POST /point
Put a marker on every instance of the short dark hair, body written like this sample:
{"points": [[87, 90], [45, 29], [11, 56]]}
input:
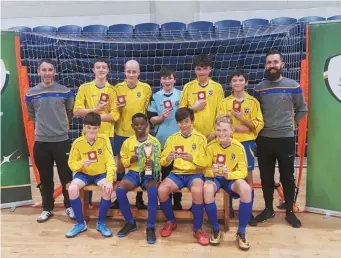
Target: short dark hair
{"points": [[167, 71], [92, 119], [101, 60], [183, 113], [139, 115], [46, 60], [274, 52], [202, 60], [239, 73]]}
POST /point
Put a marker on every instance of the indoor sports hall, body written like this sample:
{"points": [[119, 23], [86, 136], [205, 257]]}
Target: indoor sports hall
{"points": [[236, 35]]}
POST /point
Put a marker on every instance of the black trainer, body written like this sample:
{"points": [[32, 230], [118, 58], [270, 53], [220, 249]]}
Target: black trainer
{"points": [[115, 205], [293, 220], [177, 206], [265, 215], [140, 205], [232, 215], [151, 237], [128, 227], [252, 221]]}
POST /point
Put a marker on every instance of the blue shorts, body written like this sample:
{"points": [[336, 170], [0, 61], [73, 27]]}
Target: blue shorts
{"points": [[222, 182], [137, 179], [112, 144], [118, 142], [184, 180], [89, 180], [250, 149]]}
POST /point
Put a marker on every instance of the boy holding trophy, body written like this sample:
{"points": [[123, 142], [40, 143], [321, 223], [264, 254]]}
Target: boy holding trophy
{"points": [[227, 169], [140, 155]]}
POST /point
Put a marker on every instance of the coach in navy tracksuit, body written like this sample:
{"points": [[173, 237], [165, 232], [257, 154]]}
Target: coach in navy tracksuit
{"points": [[49, 106], [280, 98]]}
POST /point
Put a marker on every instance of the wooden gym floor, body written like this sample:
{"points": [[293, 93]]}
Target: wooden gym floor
{"points": [[22, 236]]}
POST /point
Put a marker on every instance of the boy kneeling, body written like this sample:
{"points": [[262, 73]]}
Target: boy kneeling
{"points": [[227, 169], [139, 175], [92, 158], [186, 150]]}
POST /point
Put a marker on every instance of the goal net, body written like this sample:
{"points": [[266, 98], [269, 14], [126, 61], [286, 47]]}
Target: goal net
{"points": [[230, 49]]}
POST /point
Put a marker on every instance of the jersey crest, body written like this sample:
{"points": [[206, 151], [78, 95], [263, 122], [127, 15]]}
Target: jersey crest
{"points": [[138, 94]]}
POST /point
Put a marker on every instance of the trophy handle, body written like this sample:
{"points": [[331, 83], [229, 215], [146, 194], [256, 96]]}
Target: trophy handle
{"points": [[139, 155], [156, 162]]}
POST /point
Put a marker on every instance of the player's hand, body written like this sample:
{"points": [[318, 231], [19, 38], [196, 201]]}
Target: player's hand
{"points": [[242, 129], [134, 159], [237, 115], [172, 156], [211, 137], [199, 105], [107, 187], [165, 113], [216, 170], [186, 156], [88, 162], [149, 163], [101, 106], [225, 171]]}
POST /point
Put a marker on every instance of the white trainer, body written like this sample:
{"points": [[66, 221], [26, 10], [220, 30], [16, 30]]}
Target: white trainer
{"points": [[69, 212], [44, 216]]}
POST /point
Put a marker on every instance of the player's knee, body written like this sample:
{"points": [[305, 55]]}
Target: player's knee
{"points": [[197, 193], [164, 191], [209, 190], [73, 191], [106, 196], [245, 192]]}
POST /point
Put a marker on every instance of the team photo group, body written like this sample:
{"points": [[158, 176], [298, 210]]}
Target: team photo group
{"points": [[193, 138]]}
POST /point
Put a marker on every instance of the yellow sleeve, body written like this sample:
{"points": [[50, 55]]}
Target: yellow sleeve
{"points": [[223, 109], [257, 117], [209, 157], [242, 169], [80, 99], [220, 93], [110, 161], [184, 98], [125, 154], [200, 158], [166, 151], [115, 114], [146, 104], [75, 161]]}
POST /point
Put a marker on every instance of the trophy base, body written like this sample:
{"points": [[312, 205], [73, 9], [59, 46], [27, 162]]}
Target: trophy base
{"points": [[148, 172]]}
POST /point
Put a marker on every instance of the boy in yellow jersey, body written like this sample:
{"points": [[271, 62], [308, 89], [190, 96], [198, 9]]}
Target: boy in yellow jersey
{"points": [[98, 96], [186, 149], [203, 96], [132, 97], [92, 159], [247, 121], [227, 169], [138, 175]]}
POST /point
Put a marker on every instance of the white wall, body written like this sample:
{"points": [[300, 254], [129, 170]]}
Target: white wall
{"points": [[58, 13]]}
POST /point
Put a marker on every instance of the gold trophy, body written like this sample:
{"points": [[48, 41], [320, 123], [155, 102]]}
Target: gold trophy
{"points": [[148, 150]]}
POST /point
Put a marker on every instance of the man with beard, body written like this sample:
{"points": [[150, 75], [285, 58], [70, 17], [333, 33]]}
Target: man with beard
{"points": [[49, 106], [280, 99]]}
